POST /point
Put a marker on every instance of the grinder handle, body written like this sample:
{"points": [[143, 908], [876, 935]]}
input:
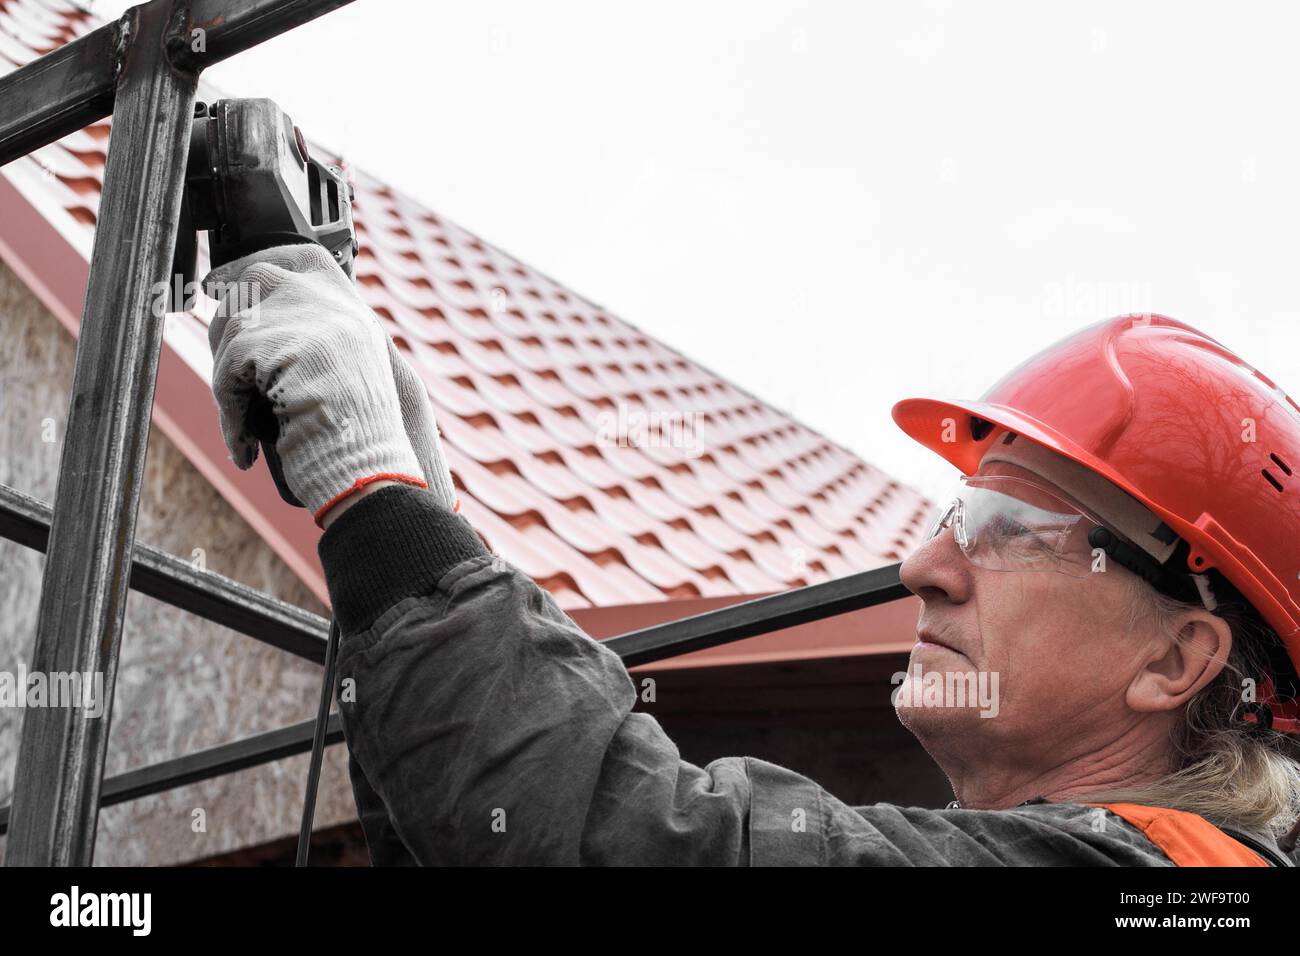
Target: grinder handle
{"points": [[261, 421]]}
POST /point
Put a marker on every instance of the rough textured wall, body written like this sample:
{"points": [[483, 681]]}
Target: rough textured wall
{"points": [[183, 683]]}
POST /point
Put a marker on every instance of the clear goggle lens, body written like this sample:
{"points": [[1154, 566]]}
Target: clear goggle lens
{"points": [[1014, 524]]}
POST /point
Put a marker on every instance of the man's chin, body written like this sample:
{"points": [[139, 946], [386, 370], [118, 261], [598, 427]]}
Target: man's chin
{"points": [[937, 694], [939, 725]]}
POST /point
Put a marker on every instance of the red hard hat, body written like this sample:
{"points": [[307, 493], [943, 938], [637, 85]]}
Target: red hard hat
{"points": [[1179, 422]]}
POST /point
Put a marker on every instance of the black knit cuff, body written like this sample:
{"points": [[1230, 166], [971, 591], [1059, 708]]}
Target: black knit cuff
{"points": [[393, 544]]}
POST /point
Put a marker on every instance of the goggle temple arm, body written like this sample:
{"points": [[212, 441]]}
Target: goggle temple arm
{"points": [[1162, 577]]}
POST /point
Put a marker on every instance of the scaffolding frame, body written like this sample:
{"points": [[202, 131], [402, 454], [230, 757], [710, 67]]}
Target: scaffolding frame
{"points": [[144, 71]]}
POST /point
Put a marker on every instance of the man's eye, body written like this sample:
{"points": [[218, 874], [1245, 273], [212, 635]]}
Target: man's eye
{"points": [[1005, 527]]}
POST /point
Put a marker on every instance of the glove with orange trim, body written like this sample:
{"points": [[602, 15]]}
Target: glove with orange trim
{"points": [[291, 329]]}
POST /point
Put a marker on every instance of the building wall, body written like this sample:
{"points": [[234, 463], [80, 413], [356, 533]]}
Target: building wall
{"points": [[830, 719], [870, 759], [183, 684]]}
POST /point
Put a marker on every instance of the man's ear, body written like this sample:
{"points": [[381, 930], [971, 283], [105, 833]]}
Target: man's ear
{"points": [[1178, 667]]}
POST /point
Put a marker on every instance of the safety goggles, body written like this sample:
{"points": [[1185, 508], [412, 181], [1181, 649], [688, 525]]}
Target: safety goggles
{"points": [[1005, 523]]}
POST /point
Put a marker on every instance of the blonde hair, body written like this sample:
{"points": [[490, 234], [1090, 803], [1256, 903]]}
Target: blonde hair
{"points": [[1228, 770]]}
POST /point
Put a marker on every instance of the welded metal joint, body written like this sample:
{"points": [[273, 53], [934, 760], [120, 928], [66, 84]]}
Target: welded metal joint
{"points": [[122, 40], [180, 38], [177, 39]]}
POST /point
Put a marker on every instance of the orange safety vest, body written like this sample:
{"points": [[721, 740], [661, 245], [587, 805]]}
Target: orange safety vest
{"points": [[1186, 838]]}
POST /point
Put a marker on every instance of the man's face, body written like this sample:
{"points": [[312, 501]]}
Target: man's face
{"points": [[1057, 649]]}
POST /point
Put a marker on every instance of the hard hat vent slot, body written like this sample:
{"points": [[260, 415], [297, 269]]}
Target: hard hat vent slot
{"points": [[1280, 463], [1271, 480]]}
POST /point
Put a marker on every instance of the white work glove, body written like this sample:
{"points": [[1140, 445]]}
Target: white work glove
{"points": [[291, 326]]}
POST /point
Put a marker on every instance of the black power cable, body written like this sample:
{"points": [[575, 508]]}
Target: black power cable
{"points": [[318, 745]]}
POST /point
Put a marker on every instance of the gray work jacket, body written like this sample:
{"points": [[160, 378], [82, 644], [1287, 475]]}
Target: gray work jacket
{"points": [[485, 727]]}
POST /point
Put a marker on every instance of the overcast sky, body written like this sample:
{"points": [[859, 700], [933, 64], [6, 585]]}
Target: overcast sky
{"points": [[837, 205]]}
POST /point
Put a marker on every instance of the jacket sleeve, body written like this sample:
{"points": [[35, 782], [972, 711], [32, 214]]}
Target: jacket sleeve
{"points": [[485, 727]]}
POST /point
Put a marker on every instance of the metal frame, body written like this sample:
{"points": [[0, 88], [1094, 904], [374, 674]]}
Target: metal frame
{"points": [[144, 70], [173, 581]]}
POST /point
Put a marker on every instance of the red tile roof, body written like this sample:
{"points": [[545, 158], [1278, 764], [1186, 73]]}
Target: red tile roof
{"points": [[530, 383]]}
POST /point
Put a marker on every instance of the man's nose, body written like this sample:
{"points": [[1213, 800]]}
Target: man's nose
{"points": [[938, 571]]}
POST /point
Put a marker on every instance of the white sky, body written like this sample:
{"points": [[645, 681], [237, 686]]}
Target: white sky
{"points": [[837, 205]]}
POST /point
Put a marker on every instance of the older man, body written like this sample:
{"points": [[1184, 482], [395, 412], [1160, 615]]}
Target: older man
{"points": [[1104, 558]]}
